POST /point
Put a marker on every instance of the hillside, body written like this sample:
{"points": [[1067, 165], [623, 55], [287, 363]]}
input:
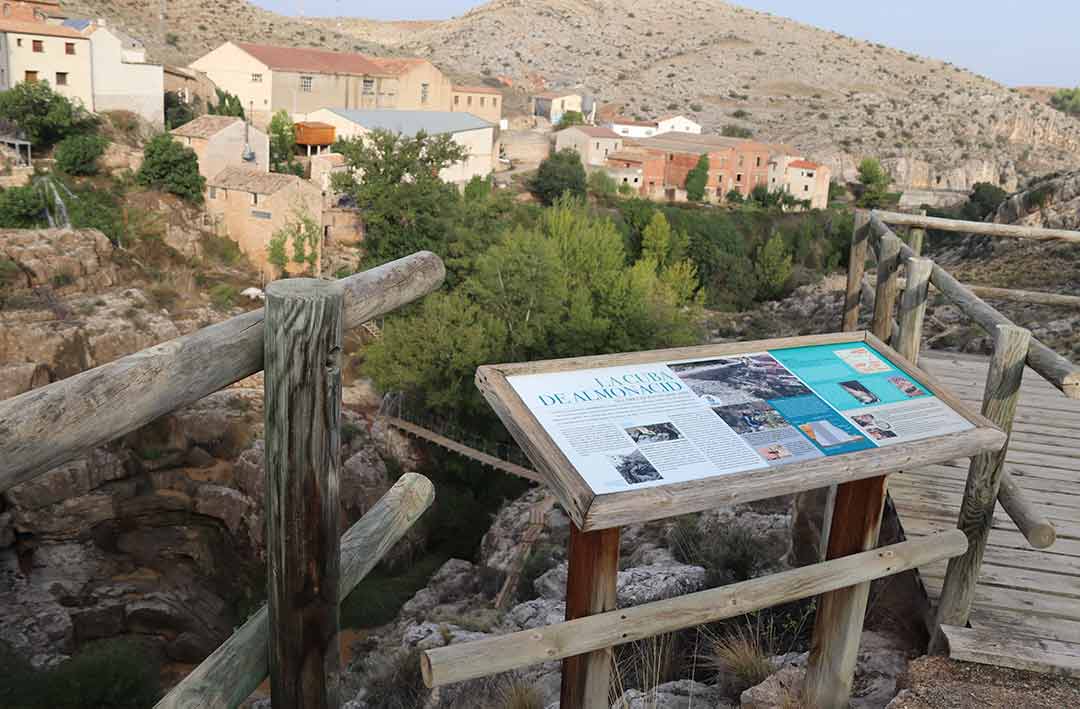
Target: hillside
{"points": [[935, 126]]}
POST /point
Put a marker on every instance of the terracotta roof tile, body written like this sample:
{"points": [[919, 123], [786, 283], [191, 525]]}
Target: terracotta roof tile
{"points": [[624, 121], [804, 164], [205, 126], [596, 132], [42, 28], [323, 61], [252, 180]]}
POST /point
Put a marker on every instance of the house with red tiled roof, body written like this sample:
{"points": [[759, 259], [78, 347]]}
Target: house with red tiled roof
{"points": [[268, 78], [481, 101], [593, 143], [33, 48], [805, 180]]}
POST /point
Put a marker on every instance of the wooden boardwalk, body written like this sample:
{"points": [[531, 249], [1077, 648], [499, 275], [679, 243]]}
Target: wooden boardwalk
{"points": [[1027, 602]]}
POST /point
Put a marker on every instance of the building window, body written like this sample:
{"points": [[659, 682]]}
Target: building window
{"points": [[305, 83], [69, 48], [258, 214], [254, 199], [482, 101], [468, 101], [810, 175], [457, 100], [31, 77], [39, 46], [18, 41], [7, 9], [740, 161], [738, 177], [369, 87], [424, 89], [213, 192], [256, 78], [61, 78], [806, 188], [759, 161], [494, 103]]}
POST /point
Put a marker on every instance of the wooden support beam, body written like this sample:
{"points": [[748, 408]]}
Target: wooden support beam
{"points": [[590, 589], [1025, 296], [489, 656], [888, 286], [303, 510], [233, 671], [916, 236], [984, 476], [983, 228], [856, 267], [834, 647], [913, 308], [1038, 530], [49, 426]]}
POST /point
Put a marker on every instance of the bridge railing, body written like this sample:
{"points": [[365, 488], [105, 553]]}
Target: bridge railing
{"points": [[297, 338], [988, 479]]}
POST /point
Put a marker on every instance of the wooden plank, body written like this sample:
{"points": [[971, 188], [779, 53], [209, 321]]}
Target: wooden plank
{"points": [[925, 506], [1024, 624], [888, 287], [303, 510], [1062, 555], [232, 672], [1014, 295], [1030, 602], [838, 627], [953, 475], [480, 658], [1045, 500], [590, 589], [51, 425], [1048, 656], [913, 308], [983, 228], [1012, 577], [856, 266]]}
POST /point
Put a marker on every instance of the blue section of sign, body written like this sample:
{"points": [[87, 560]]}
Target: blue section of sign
{"points": [[830, 432], [825, 369]]}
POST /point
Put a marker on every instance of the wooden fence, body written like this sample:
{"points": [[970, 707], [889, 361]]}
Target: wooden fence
{"points": [[298, 340], [988, 480]]}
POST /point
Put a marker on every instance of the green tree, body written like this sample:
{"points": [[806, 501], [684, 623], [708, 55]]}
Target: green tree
{"points": [[735, 131], [45, 116], [177, 111], [559, 174], [570, 118], [406, 206], [282, 135], [172, 167], [697, 178], [875, 184], [661, 243], [22, 208], [227, 105], [602, 184], [477, 189], [1067, 100], [734, 196], [78, 154], [984, 200], [773, 267]]}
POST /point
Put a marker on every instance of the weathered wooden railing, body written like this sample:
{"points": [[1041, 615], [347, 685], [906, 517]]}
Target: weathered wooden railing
{"points": [[988, 480], [299, 339]]}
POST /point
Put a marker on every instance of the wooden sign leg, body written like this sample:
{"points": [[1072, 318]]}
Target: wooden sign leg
{"points": [[590, 589], [855, 525]]}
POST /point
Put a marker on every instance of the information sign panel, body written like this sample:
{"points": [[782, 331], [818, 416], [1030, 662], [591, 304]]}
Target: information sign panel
{"points": [[700, 422]]}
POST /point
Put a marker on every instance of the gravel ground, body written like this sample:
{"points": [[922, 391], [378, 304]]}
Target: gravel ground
{"points": [[940, 683]]}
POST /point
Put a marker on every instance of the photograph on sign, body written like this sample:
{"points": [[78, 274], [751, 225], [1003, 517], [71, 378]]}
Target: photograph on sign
{"points": [[659, 423]]}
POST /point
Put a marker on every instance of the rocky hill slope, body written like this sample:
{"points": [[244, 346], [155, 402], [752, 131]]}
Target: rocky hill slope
{"points": [[934, 125]]}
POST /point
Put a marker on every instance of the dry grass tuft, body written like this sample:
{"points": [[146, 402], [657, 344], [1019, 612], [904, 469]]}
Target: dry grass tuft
{"points": [[515, 694], [743, 652]]}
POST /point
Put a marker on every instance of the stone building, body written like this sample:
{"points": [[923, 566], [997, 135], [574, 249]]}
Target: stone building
{"points": [[553, 104], [223, 141], [593, 143], [804, 180], [481, 101], [34, 50], [268, 79], [734, 164]]}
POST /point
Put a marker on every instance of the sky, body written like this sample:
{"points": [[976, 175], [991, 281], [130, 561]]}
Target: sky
{"points": [[1012, 41]]}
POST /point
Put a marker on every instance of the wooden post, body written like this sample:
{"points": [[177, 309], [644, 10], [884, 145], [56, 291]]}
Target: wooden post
{"points": [[590, 589], [913, 308], [838, 627], [916, 236], [856, 265], [303, 418], [984, 477], [888, 277]]}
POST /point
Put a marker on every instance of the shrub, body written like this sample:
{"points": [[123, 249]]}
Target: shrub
{"points": [[601, 183], [740, 114], [570, 118], [559, 174], [875, 183], [395, 681], [697, 178], [46, 116], [170, 166], [227, 105], [625, 189], [1067, 100], [78, 154], [696, 107], [223, 296], [733, 131], [773, 267], [22, 208]]}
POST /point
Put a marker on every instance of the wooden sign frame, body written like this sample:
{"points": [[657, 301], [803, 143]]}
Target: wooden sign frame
{"points": [[592, 512]]}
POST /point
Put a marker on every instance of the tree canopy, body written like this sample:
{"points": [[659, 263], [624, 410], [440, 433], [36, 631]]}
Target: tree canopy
{"points": [[697, 178], [172, 167], [394, 180], [227, 105], [559, 174], [1067, 100], [282, 135], [570, 118], [875, 183], [45, 116]]}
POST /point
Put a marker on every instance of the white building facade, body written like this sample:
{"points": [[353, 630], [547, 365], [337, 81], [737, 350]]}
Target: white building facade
{"points": [[123, 80]]}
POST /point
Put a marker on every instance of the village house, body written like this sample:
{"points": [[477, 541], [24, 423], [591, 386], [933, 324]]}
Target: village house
{"points": [[553, 104], [224, 141], [476, 136], [802, 179], [528, 147], [481, 101], [191, 87], [641, 170], [123, 80], [593, 143], [631, 128], [250, 206], [268, 79], [36, 50]]}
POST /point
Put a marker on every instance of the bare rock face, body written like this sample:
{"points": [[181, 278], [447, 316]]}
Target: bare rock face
{"points": [[1052, 203], [79, 258], [673, 695]]}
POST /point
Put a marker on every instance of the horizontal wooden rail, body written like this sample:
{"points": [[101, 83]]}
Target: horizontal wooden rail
{"points": [[982, 228], [480, 658], [1051, 366], [1035, 527], [51, 425], [233, 671], [1012, 295]]}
